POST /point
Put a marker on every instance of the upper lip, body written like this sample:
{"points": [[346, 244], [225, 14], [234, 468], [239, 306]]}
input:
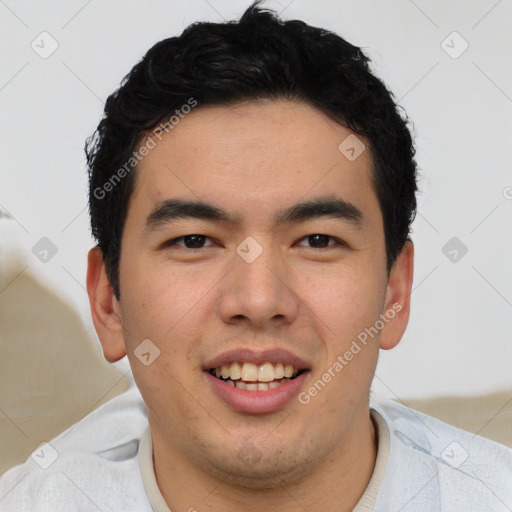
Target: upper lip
{"points": [[245, 355]]}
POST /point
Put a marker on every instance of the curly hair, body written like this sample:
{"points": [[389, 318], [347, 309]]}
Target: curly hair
{"points": [[259, 56]]}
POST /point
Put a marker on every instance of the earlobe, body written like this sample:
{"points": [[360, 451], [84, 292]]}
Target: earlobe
{"points": [[105, 309], [398, 297]]}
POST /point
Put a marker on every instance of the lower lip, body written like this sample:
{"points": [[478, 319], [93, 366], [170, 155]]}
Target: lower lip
{"points": [[256, 402]]}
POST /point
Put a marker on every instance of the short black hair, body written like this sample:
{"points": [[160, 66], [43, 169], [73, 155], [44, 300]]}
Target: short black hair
{"points": [[259, 56]]}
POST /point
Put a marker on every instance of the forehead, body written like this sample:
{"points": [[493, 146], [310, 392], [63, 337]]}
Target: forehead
{"points": [[254, 158]]}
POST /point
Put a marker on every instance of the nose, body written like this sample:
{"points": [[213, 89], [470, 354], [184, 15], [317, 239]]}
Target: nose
{"points": [[259, 293]]}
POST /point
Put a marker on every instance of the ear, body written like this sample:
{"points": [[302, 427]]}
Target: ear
{"points": [[398, 297], [105, 309]]}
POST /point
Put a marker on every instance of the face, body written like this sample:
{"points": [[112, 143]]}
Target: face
{"points": [[251, 285]]}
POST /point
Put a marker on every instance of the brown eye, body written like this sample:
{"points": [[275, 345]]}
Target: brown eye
{"points": [[194, 241], [320, 241]]}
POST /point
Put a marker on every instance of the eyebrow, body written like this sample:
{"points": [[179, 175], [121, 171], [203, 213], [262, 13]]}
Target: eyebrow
{"points": [[328, 206]]}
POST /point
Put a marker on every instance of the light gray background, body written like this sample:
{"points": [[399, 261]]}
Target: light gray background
{"points": [[459, 335]]}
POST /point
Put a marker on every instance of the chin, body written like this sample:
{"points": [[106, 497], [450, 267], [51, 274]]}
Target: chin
{"points": [[252, 469], [266, 478]]}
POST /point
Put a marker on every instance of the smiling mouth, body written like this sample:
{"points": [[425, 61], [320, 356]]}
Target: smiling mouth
{"points": [[252, 377]]}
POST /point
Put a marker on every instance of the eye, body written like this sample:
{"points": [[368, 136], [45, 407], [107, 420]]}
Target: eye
{"points": [[197, 241], [194, 241], [320, 241]]}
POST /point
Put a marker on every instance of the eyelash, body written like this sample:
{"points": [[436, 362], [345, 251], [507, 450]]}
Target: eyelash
{"points": [[337, 241]]}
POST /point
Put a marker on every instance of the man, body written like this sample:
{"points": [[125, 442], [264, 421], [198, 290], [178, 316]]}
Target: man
{"points": [[252, 187]]}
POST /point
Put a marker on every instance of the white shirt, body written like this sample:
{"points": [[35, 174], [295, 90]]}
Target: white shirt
{"points": [[104, 463]]}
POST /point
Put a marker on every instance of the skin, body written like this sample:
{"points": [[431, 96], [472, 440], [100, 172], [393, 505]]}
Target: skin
{"points": [[252, 159]]}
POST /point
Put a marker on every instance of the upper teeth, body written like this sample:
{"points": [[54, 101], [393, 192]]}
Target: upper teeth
{"points": [[250, 372]]}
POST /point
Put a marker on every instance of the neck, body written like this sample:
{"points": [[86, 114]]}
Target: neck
{"points": [[334, 485]]}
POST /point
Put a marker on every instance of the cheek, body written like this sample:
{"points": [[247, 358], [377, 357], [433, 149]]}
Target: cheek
{"points": [[166, 308], [343, 302], [159, 301], [171, 309]]}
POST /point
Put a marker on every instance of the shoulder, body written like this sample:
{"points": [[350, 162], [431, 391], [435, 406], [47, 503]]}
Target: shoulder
{"points": [[439, 465], [93, 463]]}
